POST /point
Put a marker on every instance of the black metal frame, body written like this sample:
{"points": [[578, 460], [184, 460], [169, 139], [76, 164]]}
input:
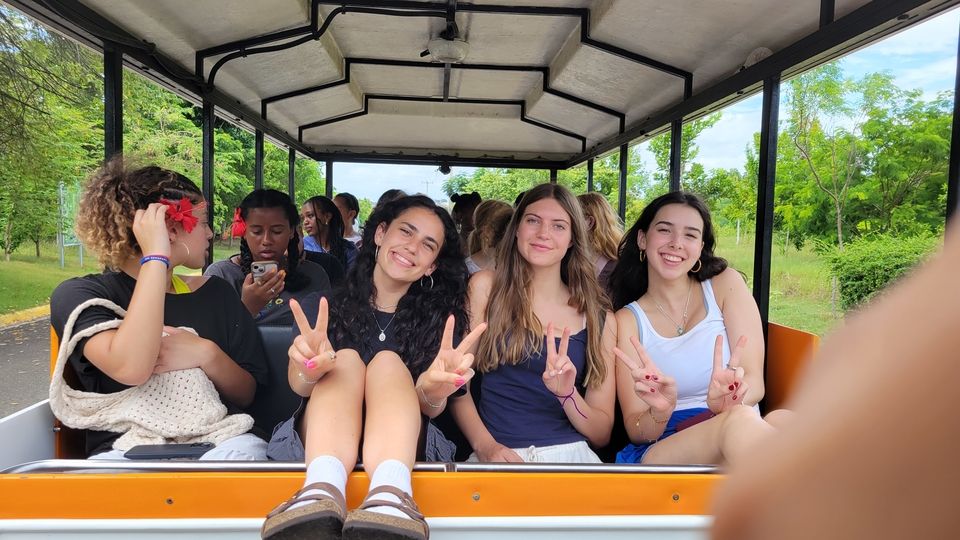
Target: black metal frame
{"points": [[766, 176], [258, 159], [292, 174], [328, 179], [953, 172], [208, 121], [590, 175], [112, 100]]}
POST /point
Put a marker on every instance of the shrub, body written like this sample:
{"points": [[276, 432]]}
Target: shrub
{"points": [[867, 265]]}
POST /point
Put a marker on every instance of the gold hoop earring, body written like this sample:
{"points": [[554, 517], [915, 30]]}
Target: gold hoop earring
{"points": [[699, 267], [643, 255]]}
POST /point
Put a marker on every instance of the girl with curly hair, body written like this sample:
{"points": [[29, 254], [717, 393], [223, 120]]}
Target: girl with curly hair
{"points": [[542, 397], [682, 390], [144, 222], [379, 365], [267, 221]]}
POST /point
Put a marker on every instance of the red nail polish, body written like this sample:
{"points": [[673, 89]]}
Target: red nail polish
{"points": [[734, 398], [656, 378], [647, 377], [736, 384], [652, 390]]}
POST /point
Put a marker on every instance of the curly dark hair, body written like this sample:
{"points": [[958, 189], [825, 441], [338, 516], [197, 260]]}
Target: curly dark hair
{"points": [[629, 279], [112, 195], [422, 312], [271, 198], [338, 244]]}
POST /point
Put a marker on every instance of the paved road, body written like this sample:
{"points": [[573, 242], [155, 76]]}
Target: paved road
{"points": [[24, 364]]}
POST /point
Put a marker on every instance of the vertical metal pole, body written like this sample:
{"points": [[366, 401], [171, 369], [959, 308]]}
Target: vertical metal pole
{"points": [[112, 100], [676, 140], [622, 197], [827, 12], [60, 239], [765, 188], [328, 177], [258, 160], [553, 176], [953, 173], [207, 120], [589, 175], [292, 175]]}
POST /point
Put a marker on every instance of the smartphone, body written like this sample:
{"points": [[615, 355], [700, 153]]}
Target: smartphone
{"points": [[260, 269], [169, 451]]}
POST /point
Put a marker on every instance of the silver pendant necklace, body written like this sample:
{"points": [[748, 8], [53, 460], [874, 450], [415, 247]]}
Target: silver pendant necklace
{"points": [[682, 327], [383, 329]]}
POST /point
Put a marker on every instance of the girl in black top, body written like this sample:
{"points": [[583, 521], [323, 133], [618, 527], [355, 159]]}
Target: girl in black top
{"points": [[143, 223], [392, 323]]}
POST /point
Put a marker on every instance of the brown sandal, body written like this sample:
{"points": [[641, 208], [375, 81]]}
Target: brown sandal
{"points": [[321, 519], [362, 524]]}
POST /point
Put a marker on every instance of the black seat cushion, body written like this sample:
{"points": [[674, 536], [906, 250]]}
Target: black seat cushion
{"points": [[275, 402]]}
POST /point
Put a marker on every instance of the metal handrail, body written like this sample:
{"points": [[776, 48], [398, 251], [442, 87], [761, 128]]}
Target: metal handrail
{"points": [[108, 466]]}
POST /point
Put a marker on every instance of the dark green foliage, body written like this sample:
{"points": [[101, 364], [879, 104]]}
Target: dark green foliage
{"points": [[869, 264]]}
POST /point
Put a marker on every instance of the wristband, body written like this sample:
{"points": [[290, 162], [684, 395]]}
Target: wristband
{"points": [[570, 397], [162, 258]]}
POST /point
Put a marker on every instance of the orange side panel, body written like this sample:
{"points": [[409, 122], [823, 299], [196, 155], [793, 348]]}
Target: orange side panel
{"points": [[439, 494], [54, 348], [788, 352]]}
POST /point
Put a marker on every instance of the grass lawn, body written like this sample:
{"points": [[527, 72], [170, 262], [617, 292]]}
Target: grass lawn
{"points": [[799, 282], [799, 295]]}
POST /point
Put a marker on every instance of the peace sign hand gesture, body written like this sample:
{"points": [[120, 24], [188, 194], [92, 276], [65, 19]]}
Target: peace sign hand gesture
{"points": [[311, 353], [560, 373], [451, 369], [727, 387], [657, 390]]}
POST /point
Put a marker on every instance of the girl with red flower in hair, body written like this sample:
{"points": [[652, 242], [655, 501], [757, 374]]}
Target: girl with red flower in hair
{"points": [[138, 325]]}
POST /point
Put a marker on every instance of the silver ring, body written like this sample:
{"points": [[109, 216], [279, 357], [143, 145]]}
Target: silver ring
{"points": [[333, 354], [272, 291]]}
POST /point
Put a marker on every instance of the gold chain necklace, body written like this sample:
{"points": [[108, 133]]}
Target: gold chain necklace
{"points": [[682, 327]]}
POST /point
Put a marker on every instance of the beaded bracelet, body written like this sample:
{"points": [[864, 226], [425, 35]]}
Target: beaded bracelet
{"points": [[162, 258], [570, 396]]}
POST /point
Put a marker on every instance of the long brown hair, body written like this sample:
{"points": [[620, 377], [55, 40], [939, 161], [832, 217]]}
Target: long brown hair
{"points": [[513, 330], [607, 230]]}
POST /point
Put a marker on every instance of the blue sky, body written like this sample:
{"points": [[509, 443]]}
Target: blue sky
{"points": [[923, 57]]}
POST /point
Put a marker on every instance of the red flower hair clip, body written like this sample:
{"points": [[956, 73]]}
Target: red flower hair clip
{"points": [[182, 211], [239, 226]]}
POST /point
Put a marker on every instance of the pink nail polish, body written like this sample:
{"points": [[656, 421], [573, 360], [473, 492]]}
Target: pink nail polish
{"points": [[459, 381], [310, 364]]}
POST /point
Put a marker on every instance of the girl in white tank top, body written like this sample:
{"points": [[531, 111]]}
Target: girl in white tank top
{"points": [[688, 361]]}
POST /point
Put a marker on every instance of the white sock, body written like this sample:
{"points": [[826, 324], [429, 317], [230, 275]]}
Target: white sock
{"points": [[390, 473], [324, 469]]}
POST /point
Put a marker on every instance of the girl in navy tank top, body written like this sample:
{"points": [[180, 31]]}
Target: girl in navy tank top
{"points": [[547, 389], [680, 308]]}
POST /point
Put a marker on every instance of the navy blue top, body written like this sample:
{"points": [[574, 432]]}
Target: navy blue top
{"points": [[519, 410]]}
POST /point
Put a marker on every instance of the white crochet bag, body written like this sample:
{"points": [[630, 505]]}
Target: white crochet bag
{"points": [[174, 407]]}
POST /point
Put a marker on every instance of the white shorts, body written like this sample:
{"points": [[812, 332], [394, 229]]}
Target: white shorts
{"points": [[575, 452]]}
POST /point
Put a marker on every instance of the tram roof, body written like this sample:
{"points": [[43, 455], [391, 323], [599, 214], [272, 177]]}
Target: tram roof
{"points": [[542, 84]]}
